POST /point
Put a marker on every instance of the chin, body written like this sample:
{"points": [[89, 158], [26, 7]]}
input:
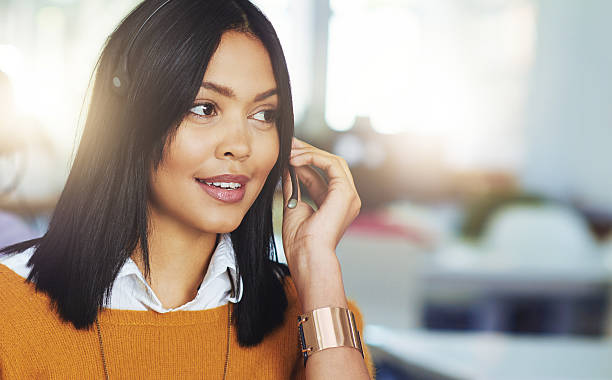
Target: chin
{"points": [[221, 226]]}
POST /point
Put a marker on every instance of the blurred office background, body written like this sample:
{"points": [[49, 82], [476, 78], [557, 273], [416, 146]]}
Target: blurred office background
{"points": [[478, 133]]}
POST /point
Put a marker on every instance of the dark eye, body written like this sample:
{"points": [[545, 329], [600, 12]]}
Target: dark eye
{"points": [[206, 109], [267, 116]]}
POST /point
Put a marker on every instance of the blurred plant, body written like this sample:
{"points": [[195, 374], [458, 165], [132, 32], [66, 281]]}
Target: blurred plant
{"points": [[480, 211]]}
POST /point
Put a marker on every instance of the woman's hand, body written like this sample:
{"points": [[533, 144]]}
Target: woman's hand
{"points": [[310, 237]]}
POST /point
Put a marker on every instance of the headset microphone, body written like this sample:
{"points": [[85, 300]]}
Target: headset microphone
{"points": [[293, 200]]}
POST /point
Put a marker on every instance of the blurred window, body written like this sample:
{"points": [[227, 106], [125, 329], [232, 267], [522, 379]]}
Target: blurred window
{"points": [[452, 70], [292, 20]]}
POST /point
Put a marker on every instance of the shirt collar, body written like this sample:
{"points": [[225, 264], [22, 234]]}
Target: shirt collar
{"points": [[223, 258]]}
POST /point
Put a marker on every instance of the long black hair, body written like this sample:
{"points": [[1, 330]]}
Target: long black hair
{"points": [[101, 216]]}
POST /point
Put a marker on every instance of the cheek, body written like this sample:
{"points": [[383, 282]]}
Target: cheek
{"points": [[271, 150], [180, 156], [267, 155], [185, 152], [183, 159]]}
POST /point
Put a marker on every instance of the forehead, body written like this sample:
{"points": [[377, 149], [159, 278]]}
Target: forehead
{"points": [[241, 62]]}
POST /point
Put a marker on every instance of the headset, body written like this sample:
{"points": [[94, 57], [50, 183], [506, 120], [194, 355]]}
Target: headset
{"points": [[121, 81], [121, 76]]}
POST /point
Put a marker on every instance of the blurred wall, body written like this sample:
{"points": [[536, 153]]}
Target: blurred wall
{"points": [[568, 131]]}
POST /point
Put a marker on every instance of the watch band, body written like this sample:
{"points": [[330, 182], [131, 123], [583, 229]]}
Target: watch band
{"points": [[328, 327]]}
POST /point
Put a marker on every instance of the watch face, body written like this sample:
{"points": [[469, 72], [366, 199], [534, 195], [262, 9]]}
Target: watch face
{"points": [[302, 340], [359, 343]]}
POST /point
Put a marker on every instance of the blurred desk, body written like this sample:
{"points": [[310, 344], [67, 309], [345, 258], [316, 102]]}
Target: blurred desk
{"points": [[491, 356], [468, 289], [484, 278]]}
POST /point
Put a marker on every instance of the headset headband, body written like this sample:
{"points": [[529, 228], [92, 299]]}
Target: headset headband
{"points": [[121, 76]]}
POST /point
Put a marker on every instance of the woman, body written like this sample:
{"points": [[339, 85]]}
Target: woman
{"points": [[159, 259]]}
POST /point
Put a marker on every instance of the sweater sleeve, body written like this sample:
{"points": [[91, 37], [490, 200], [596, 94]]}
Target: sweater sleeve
{"points": [[299, 372]]}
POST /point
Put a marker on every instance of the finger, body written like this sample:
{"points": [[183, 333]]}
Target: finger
{"points": [[297, 143], [314, 183], [348, 194], [298, 146], [337, 203], [347, 170], [330, 164]]}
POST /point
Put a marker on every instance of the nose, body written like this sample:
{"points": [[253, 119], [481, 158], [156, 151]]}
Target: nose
{"points": [[235, 142]]}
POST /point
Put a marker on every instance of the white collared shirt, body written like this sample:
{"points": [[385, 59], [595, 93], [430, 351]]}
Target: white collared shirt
{"points": [[130, 291]]}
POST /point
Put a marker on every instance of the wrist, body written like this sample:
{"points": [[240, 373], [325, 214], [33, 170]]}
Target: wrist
{"points": [[313, 261], [318, 282]]}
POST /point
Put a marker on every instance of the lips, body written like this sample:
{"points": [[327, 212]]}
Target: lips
{"points": [[228, 188]]}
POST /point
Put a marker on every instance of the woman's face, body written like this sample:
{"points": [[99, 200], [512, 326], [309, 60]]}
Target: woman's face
{"points": [[218, 161]]}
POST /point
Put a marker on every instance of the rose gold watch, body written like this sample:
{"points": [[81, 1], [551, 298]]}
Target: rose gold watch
{"points": [[328, 327]]}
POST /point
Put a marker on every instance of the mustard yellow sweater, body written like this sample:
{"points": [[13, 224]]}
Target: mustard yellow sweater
{"points": [[36, 344]]}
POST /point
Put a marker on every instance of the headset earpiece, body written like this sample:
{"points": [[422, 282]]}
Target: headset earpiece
{"points": [[121, 77]]}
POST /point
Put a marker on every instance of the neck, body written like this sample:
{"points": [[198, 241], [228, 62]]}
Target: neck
{"points": [[178, 259]]}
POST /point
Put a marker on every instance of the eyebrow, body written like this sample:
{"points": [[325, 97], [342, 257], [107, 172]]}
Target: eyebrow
{"points": [[229, 93]]}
